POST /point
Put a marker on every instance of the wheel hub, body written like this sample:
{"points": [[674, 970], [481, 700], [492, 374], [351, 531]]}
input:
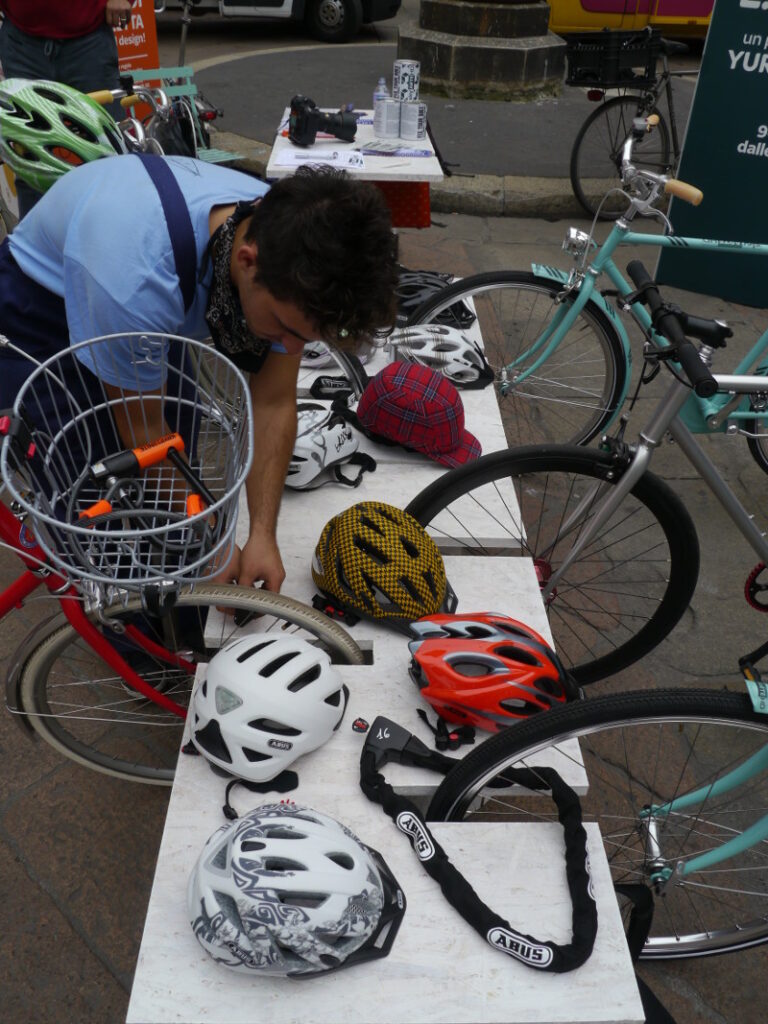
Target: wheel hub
{"points": [[331, 13]]}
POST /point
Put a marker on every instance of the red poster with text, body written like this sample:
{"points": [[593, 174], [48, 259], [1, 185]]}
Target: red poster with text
{"points": [[137, 42]]}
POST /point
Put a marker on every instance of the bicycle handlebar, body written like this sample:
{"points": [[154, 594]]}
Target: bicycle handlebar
{"points": [[667, 323], [681, 189], [155, 98], [672, 186]]}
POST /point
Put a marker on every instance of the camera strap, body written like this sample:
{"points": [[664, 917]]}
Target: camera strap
{"points": [[386, 741]]}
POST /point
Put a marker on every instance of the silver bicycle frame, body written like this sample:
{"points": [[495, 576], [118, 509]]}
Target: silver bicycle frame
{"points": [[665, 420]]}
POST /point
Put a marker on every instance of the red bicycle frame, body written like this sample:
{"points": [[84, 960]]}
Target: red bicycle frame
{"points": [[38, 572]]}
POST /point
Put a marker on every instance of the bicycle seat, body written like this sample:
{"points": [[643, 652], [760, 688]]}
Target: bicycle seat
{"points": [[673, 48]]}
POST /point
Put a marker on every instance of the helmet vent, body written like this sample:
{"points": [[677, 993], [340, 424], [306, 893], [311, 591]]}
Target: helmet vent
{"points": [[274, 666], [254, 755], [252, 846], [229, 908], [515, 654], [371, 550], [305, 679], [281, 832], [342, 859], [410, 547], [211, 740], [470, 668], [333, 699], [342, 579], [268, 725], [283, 864], [479, 631], [371, 525], [302, 899], [36, 120], [429, 579], [410, 589], [78, 129], [48, 94], [386, 514], [253, 650], [382, 600], [514, 704], [220, 860]]}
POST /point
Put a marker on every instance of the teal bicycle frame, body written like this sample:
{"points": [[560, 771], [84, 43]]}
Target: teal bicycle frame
{"points": [[757, 833], [701, 416]]}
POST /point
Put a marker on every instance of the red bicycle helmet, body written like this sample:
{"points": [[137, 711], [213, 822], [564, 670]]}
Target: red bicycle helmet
{"points": [[486, 670]]}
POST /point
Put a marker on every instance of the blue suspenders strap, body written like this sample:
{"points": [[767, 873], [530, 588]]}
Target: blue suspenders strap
{"points": [[179, 224]]}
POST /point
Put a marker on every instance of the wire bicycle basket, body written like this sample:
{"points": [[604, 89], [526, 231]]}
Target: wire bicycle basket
{"points": [[128, 453]]}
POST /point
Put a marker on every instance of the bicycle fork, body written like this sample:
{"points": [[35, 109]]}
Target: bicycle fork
{"points": [[660, 870]]}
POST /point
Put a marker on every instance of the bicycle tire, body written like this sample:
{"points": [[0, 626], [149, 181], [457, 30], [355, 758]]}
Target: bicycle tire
{"points": [[631, 583], [113, 729], [347, 364], [577, 392], [697, 735], [596, 153]]}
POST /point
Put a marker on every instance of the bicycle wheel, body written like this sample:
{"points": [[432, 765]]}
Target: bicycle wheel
{"points": [[79, 706], [596, 153], [642, 750], [575, 394], [629, 585]]}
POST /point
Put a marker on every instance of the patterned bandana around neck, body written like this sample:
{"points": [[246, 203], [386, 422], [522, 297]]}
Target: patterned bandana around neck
{"points": [[224, 314]]}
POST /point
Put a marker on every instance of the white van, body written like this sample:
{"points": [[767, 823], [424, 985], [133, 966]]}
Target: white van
{"points": [[331, 21]]}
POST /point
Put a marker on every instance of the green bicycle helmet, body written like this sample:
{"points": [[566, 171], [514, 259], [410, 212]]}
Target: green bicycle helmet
{"points": [[378, 562], [47, 128]]}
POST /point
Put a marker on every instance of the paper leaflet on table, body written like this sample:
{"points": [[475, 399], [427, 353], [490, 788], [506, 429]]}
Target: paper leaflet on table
{"points": [[338, 157]]}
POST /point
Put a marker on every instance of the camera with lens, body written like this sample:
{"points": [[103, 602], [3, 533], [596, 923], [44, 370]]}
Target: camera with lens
{"points": [[305, 121]]}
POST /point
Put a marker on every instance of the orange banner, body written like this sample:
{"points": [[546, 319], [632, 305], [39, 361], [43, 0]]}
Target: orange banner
{"points": [[137, 42]]}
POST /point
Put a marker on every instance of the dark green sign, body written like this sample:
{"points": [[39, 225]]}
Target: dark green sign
{"points": [[726, 155]]}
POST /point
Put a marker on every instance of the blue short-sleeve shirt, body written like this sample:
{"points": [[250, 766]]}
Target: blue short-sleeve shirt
{"points": [[99, 239]]}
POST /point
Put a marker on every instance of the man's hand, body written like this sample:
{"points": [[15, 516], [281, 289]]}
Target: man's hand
{"points": [[117, 13], [258, 561]]}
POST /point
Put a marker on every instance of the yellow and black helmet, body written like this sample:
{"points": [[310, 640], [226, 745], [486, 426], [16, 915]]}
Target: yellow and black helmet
{"points": [[377, 561]]}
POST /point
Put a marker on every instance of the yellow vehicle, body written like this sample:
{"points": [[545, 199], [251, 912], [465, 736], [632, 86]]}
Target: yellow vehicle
{"points": [[675, 18]]}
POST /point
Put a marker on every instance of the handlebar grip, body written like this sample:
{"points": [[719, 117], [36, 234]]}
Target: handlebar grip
{"points": [[129, 101], [103, 96], [668, 324], [681, 189], [652, 121]]}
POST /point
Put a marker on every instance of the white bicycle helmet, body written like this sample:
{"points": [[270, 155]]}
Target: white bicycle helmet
{"points": [[264, 702], [446, 350], [288, 891], [324, 443]]}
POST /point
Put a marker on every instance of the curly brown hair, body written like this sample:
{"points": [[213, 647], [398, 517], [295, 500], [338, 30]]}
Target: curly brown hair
{"points": [[326, 244]]}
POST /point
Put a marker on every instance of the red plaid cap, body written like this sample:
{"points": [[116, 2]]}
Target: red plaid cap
{"points": [[420, 409]]}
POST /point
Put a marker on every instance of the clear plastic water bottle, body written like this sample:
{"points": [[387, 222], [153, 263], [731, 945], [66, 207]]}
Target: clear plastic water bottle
{"points": [[381, 92]]}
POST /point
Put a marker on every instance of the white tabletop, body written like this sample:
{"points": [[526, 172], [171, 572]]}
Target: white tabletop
{"points": [[393, 167], [439, 970]]}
